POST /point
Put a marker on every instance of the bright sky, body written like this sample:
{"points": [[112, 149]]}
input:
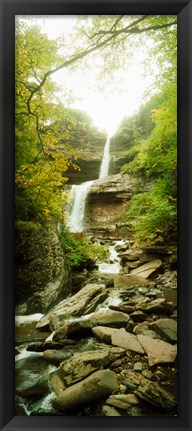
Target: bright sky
{"points": [[106, 108]]}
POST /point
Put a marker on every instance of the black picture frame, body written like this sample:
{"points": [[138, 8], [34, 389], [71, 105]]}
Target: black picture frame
{"points": [[183, 10]]}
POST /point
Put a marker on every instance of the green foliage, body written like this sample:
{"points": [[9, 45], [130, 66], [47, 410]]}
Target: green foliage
{"points": [[154, 216], [79, 249], [154, 212]]}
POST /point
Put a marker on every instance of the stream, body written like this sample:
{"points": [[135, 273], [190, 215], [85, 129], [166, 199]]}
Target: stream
{"points": [[118, 302]]}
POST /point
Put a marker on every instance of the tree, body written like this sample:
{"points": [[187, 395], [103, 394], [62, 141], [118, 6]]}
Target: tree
{"points": [[154, 212]]}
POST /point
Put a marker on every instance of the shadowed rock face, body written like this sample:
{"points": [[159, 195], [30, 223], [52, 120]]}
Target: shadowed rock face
{"points": [[106, 200]]}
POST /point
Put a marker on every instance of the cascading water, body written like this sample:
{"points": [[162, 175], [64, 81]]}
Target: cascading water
{"points": [[104, 170], [78, 199], [80, 192], [114, 266]]}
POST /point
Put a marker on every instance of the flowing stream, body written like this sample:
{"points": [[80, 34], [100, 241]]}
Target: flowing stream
{"points": [[79, 193]]}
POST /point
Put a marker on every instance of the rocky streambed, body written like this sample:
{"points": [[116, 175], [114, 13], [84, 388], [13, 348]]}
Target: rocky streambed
{"points": [[110, 349]]}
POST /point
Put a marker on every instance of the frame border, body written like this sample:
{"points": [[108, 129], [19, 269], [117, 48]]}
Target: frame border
{"points": [[183, 10]]}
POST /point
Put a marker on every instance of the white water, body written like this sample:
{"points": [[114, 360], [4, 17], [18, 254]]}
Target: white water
{"points": [[114, 266], [79, 194], [104, 170], [78, 199]]}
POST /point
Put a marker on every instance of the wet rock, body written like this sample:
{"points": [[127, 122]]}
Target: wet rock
{"points": [[55, 357], [110, 318], [83, 302], [138, 366], [148, 375], [109, 411], [151, 334], [131, 379], [123, 307], [32, 374], [155, 395], [109, 282], [99, 384], [160, 375], [131, 256], [103, 333], [147, 269], [159, 305], [57, 382], [122, 401], [85, 363], [139, 316], [127, 340], [40, 347], [141, 328], [167, 328], [158, 351], [75, 329]]}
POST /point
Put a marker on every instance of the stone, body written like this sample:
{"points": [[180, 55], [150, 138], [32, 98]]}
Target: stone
{"points": [[103, 333], [148, 375], [147, 269], [74, 329], [38, 346], [151, 334], [167, 328], [138, 366], [109, 411], [42, 259], [158, 351], [141, 328], [94, 387], [154, 394], [83, 364], [131, 379], [83, 302], [139, 316], [159, 305], [131, 256], [110, 318], [55, 357], [57, 382], [122, 401], [127, 340]]}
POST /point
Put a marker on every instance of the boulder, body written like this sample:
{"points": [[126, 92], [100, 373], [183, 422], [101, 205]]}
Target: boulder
{"points": [[85, 363], [83, 302], [127, 340], [55, 357], [56, 381], [141, 328], [167, 328], [159, 305], [38, 346], [147, 269], [122, 401], [131, 379], [158, 351], [110, 318], [109, 411], [139, 316], [75, 329], [94, 387], [154, 394], [104, 333]]}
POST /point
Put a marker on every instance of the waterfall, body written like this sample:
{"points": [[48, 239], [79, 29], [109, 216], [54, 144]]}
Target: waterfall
{"points": [[78, 199], [80, 192], [104, 170]]}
